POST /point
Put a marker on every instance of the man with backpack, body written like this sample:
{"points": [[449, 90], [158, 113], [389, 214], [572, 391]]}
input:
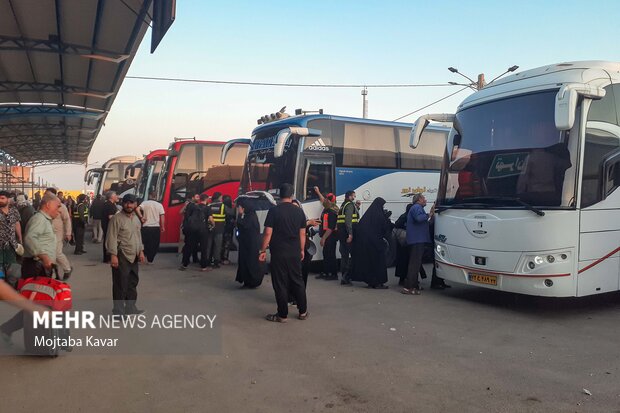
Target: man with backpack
{"points": [[194, 228]]}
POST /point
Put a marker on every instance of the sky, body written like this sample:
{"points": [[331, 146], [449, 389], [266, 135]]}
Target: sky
{"points": [[320, 41]]}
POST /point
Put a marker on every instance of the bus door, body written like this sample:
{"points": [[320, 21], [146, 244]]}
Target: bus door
{"points": [[317, 170]]}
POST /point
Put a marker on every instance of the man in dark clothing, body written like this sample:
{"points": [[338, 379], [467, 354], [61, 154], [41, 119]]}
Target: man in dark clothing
{"points": [[329, 235], [219, 211], [348, 217], [285, 235], [26, 211], [36, 202], [96, 213], [109, 210], [205, 234], [194, 227], [229, 228], [80, 218]]}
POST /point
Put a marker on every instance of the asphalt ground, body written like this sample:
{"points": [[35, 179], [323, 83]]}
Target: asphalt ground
{"points": [[459, 350]]}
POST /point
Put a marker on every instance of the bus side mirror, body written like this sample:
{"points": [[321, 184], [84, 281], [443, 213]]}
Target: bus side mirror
{"points": [[416, 132], [565, 107], [284, 135], [281, 139], [566, 102], [422, 123]]}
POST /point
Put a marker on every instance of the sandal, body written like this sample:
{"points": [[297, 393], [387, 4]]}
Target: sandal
{"points": [[303, 316], [414, 291], [275, 318]]}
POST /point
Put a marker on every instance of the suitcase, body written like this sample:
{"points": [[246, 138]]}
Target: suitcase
{"points": [[55, 295], [43, 341]]}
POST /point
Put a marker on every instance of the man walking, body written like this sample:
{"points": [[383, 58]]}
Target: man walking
{"points": [[124, 244], [96, 214], [63, 231], [348, 217], [108, 211], [285, 235], [80, 218], [194, 228], [154, 224], [10, 235], [418, 235], [39, 252]]}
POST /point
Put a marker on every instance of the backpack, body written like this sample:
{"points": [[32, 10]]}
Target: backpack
{"points": [[196, 222]]}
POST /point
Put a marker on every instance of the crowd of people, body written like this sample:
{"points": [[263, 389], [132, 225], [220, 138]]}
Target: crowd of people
{"points": [[34, 235], [130, 235]]}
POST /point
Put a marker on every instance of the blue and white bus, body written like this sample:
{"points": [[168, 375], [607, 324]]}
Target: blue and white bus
{"points": [[337, 154]]}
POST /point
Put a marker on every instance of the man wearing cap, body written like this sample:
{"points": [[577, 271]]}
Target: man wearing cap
{"points": [[123, 242], [80, 219], [329, 235]]}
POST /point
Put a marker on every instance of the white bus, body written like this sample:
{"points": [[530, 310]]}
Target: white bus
{"points": [[338, 154], [111, 175], [528, 199]]}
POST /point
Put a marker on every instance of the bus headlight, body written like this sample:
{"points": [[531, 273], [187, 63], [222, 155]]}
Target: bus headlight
{"points": [[542, 259], [440, 250]]}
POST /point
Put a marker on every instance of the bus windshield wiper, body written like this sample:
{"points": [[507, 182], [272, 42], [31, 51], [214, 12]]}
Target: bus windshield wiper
{"points": [[463, 205], [526, 205], [497, 199]]}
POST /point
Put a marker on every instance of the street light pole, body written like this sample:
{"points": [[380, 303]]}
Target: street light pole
{"points": [[365, 102], [481, 83]]}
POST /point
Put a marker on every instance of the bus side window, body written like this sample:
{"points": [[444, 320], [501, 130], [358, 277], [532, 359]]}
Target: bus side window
{"points": [[599, 146], [429, 153], [369, 146], [317, 173], [611, 171]]}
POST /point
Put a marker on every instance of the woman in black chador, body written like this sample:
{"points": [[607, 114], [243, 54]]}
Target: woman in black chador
{"points": [[369, 248], [249, 271]]}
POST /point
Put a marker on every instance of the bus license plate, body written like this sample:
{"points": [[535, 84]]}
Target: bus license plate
{"points": [[483, 279]]}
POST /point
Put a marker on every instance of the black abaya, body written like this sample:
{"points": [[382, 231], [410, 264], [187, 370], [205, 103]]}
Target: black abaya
{"points": [[369, 263], [249, 271]]}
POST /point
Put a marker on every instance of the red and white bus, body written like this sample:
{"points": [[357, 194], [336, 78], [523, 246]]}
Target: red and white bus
{"points": [[193, 167]]}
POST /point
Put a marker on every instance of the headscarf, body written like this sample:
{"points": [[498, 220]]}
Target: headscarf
{"points": [[374, 221], [21, 201]]}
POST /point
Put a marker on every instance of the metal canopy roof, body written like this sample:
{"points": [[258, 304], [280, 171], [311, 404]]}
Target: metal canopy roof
{"points": [[61, 64]]}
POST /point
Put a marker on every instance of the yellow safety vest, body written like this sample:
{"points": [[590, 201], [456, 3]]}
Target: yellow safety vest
{"points": [[342, 216], [76, 212], [221, 217]]}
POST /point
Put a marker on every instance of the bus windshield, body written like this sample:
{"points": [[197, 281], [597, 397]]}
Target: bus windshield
{"points": [[198, 169], [148, 178], [509, 150], [263, 172]]}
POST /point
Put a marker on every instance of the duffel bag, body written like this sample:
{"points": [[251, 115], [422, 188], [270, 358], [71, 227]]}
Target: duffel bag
{"points": [[48, 292]]}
